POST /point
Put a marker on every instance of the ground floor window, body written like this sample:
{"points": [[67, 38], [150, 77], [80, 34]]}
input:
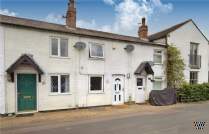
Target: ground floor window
{"points": [[193, 77], [59, 83], [158, 84], [96, 83]]}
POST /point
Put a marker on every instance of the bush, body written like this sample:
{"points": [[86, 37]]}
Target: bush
{"points": [[193, 93]]}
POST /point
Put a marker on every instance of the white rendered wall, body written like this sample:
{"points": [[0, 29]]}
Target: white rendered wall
{"points": [[2, 74], [181, 38], [77, 65]]}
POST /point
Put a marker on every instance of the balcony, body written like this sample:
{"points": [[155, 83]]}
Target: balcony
{"points": [[195, 61]]}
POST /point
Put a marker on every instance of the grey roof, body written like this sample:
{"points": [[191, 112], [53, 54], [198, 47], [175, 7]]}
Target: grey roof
{"points": [[25, 59], [165, 32], [8, 20]]}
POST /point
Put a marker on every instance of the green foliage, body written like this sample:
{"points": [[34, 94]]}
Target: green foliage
{"points": [[194, 93], [175, 67]]}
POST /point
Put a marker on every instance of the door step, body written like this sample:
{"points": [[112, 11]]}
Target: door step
{"points": [[24, 115]]}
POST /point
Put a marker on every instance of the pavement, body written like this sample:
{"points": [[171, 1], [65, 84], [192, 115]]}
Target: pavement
{"points": [[177, 119]]}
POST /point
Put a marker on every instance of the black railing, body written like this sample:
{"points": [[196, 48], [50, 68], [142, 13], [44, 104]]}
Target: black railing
{"points": [[195, 61]]}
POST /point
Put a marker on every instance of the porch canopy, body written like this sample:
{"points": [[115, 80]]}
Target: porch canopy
{"points": [[144, 66], [25, 59]]}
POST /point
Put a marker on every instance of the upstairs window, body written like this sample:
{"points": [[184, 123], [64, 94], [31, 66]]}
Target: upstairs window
{"points": [[60, 84], [158, 56], [96, 50], [59, 47], [193, 49]]}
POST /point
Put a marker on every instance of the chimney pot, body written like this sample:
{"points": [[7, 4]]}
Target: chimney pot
{"points": [[143, 21]]}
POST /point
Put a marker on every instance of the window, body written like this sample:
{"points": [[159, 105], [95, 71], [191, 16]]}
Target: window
{"points": [[96, 51], [157, 85], [139, 81], [54, 46], [59, 47], [96, 83], [60, 84], [193, 77], [193, 49], [64, 47], [158, 57]]}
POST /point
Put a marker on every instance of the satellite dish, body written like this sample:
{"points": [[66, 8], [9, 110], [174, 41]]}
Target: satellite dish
{"points": [[129, 48], [80, 45]]}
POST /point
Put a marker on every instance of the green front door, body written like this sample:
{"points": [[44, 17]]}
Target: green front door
{"points": [[26, 92]]}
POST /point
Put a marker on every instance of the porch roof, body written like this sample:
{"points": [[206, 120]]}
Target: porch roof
{"points": [[25, 59], [144, 66]]}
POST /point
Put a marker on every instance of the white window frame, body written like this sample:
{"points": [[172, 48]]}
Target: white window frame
{"points": [[59, 47], [59, 85], [158, 79], [157, 55], [90, 48], [100, 91]]}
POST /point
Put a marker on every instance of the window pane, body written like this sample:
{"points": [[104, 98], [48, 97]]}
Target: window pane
{"points": [[54, 46], [64, 83], [157, 58], [95, 83], [193, 77], [54, 83], [193, 49], [64, 47], [157, 85], [97, 50], [139, 82]]}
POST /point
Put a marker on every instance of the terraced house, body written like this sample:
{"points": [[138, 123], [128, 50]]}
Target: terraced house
{"points": [[45, 66]]}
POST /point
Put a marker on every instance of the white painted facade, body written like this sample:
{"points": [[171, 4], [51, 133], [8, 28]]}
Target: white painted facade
{"points": [[182, 37], [116, 62], [2, 74]]}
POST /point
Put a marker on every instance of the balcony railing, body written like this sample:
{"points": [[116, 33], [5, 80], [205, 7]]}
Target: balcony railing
{"points": [[195, 61]]}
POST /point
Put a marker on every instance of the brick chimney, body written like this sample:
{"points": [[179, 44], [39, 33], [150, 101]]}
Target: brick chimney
{"points": [[71, 14], [143, 30]]}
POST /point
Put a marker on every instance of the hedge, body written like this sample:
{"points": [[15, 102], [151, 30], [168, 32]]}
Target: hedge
{"points": [[193, 93]]}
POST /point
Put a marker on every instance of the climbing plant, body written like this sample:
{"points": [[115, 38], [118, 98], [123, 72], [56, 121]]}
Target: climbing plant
{"points": [[175, 67]]}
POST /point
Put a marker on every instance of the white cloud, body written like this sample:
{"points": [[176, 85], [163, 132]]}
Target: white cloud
{"points": [[128, 14], [162, 7], [110, 2], [55, 18], [86, 24], [7, 12]]}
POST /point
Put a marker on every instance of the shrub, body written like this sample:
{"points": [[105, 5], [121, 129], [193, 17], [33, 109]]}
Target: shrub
{"points": [[193, 93], [175, 67]]}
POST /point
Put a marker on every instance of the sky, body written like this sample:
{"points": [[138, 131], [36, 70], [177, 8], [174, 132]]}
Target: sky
{"points": [[116, 16]]}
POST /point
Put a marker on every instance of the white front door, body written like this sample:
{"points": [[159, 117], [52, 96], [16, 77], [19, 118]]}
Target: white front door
{"points": [[140, 89], [118, 90]]}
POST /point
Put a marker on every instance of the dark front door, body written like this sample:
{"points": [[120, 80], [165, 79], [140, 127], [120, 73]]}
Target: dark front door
{"points": [[26, 92]]}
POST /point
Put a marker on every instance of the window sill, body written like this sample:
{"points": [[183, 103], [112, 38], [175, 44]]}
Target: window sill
{"points": [[158, 63], [59, 57], [96, 58], [59, 94], [90, 92]]}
